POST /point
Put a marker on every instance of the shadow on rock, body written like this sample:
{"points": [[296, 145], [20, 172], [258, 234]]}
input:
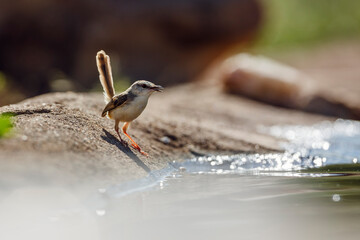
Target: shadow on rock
{"points": [[114, 141]]}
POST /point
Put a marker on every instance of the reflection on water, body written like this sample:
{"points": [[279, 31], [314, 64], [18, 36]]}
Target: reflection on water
{"points": [[312, 191], [209, 206]]}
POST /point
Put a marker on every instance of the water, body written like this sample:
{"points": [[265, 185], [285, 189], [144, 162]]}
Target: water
{"points": [[239, 207], [312, 191]]}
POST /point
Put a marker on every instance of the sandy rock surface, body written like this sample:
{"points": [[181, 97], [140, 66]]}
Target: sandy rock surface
{"points": [[62, 137]]}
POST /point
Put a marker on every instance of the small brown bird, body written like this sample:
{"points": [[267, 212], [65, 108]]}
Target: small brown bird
{"points": [[126, 106]]}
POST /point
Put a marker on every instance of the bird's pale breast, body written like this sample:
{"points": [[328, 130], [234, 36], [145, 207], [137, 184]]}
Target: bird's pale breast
{"points": [[130, 110]]}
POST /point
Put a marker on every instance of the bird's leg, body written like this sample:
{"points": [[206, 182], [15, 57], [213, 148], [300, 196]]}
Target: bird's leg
{"points": [[117, 131], [134, 144]]}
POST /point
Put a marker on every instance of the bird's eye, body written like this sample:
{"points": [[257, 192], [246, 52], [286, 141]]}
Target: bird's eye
{"points": [[143, 85], [116, 101]]}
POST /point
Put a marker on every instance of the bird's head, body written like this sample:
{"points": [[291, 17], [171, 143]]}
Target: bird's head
{"points": [[144, 88]]}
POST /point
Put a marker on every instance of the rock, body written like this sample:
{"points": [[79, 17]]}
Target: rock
{"points": [[165, 140], [62, 136]]}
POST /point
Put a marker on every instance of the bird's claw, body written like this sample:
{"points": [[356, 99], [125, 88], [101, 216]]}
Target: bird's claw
{"points": [[123, 142], [144, 153], [139, 149]]}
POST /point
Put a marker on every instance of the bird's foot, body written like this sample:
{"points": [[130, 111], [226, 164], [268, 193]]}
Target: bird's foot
{"points": [[123, 142], [140, 151]]}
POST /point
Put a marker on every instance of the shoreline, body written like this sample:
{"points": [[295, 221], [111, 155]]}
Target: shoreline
{"points": [[62, 136]]}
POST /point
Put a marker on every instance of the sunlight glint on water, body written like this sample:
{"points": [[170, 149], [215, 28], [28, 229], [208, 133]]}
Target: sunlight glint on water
{"points": [[305, 147]]}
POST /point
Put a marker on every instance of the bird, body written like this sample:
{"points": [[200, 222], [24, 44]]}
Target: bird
{"points": [[126, 106]]}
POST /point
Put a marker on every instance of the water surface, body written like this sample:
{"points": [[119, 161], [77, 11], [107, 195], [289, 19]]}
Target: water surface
{"points": [[311, 191]]}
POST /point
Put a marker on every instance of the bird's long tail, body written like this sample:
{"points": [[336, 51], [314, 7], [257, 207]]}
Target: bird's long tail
{"points": [[105, 75]]}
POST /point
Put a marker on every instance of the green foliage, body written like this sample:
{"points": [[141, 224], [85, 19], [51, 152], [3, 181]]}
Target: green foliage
{"points": [[299, 22], [5, 124]]}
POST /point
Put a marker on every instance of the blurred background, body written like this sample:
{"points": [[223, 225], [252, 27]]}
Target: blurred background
{"points": [[50, 45]]}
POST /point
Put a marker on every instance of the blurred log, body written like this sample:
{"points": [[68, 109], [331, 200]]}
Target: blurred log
{"points": [[272, 82], [164, 41], [266, 80]]}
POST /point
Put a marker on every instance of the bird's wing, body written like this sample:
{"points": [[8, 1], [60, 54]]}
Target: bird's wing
{"points": [[115, 102]]}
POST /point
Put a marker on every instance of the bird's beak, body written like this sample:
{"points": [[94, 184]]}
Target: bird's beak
{"points": [[157, 88]]}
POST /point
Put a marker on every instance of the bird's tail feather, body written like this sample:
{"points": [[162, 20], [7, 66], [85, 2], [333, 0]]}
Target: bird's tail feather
{"points": [[105, 75]]}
